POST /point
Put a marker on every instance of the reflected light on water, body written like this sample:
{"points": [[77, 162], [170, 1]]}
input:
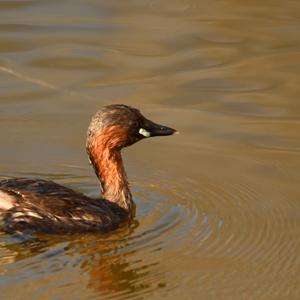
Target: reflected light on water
{"points": [[217, 205]]}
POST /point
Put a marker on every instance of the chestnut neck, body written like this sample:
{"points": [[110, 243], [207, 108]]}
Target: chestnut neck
{"points": [[105, 156]]}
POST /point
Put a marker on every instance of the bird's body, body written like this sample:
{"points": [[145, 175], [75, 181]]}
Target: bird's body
{"points": [[45, 206]]}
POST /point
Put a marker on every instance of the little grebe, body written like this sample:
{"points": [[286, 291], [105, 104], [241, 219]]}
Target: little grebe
{"points": [[44, 206]]}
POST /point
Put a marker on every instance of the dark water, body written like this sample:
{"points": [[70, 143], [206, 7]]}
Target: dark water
{"points": [[218, 205]]}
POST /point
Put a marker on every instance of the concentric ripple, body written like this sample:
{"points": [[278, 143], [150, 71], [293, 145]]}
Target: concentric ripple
{"points": [[246, 229], [208, 226]]}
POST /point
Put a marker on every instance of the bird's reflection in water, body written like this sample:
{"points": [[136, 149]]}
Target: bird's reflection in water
{"points": [[111, 262]]}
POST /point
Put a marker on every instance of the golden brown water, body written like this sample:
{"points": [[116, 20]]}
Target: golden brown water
{"points": [[218, 205]]}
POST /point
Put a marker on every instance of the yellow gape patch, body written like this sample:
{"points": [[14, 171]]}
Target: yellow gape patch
{"points": [[144, 132]]}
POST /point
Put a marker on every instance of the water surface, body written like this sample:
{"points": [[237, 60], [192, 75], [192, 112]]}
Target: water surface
{"points": [[218, 211]]}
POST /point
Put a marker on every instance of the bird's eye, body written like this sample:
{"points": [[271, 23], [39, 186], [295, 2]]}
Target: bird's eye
{"points": [[133, 123]]}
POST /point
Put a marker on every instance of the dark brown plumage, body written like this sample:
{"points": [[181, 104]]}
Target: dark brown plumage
{"points": [[44, 206]]}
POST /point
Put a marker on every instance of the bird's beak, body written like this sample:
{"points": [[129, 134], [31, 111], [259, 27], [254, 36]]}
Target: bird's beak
{"points": [[150, 129]]}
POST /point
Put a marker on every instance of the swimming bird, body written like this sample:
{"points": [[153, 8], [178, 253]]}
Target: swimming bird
{"points": [[44, 206]]}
